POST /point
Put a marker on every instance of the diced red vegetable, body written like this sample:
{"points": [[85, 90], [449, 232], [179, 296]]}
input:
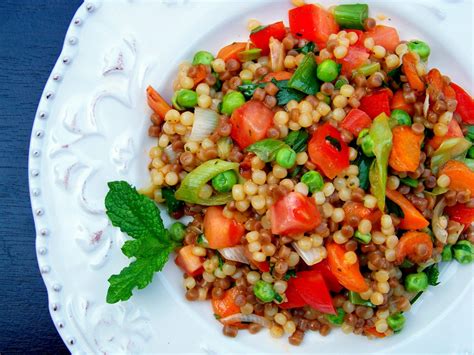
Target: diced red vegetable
{"points": [[314, 291], [398, 103], [220, 231], [328, 151], [279, 75], [384, 36], [461, 213], [313, 23], [413, 219], [294, 213], [355, 121], [356, 56], [372, 331], [232, 50], [352, 208], [409, 246], [261, 38], [376, 103], [294, 300], [263, 266], [189, 262], [410, 60], [331, 281], [360, 35], [465, 107]]}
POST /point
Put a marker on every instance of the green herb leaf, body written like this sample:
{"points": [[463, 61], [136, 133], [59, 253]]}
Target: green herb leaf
{"points": [[392, 207], [297, 140], [172, 203], [336, 319], [433, 273], [266, 149], [305, 77], [364, 162], [289, 274], [307, 48], [285, 94], [409, 181], [334, 142], [249, 89], [470, 133]]}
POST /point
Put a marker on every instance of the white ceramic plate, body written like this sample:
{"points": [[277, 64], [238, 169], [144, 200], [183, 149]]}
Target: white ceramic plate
{"points": [[91, 127]]}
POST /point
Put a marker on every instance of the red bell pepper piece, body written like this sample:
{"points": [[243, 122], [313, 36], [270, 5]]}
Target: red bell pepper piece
{"points": [[328, 151], [331, 280], [355, 121], [465, 107], [189, 262], [376, 103], [313, 23], [313, 289], [262, 36], [356, 56], [461, 213], [398, 103], [294, 300], [384, 36]]}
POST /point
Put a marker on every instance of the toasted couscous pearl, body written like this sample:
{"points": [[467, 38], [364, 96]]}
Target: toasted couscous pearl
{"points": [[340, 52], [252, 236], [259, 256], [345, 194], [340, 101], [157, 177], [246, 308], [352, 154], [208, 276], [288, 183], [305, 106], [350, 258], [443, 180], [172, 116], [163, 141], [204, 101], [269, 249], [376, 298], [258, 202], [171, 178], [281, 117], [339, 238], [276, 331], [369, 43], [386, 221], [218, 65], [301, 158], [250, 188], [257, 163], [353, 37], [317, 240], [445, 118], [327, 210], [381, 325], [305, 243], [246, 74], [401, 49], [267, 277], [365, 226], [279, 172], [305, 120], [301, 188], [293, 259], [338, 114], [352, 170], [259, 177], [253, 277], [328, 189], [338, 215], [323, 108], [280, 318], [370, 201], [203, 89], [379, 51], [391, 241], [238, 193], [289, 327], [191, 147], [393, 182], [390, 255], [440, 129], [254, 246], [242, 206], [383, 287], [157, 163], [320, 198], [199, 251], [392, 61], [347, 91], [228, 269], [186, 82], [378, 237], [189, 282], [289, 62], [381, 275]]}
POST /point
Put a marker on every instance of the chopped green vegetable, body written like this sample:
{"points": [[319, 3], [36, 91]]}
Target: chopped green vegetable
{"points": [[470, 133], [139, 217], [340, 83], [355, 298], [304, 79], [202, 241], [364, 163], [414, 299], [289, 274], [328, 70], [196, 179], [368, 69], [250, 54], [286, 157], [186, 98], [307, 48], [463, 252], [248, 89], [336, 319], [401, 117], [172, 204], [450, 149], [297, 140], [382, 136], [203, 57], [285, 94], [419, 47], [224, 181], [264, 291], [313, 180], [351, 15], [416, 282], [231, 101], [447, 253], [218, 85], [406, 264], [437, 191], [409, 181], [392, 207], [220, 261], [433, 273], [258, 29], [469, 162], [177, 231], [266, 149], [470, 153], [396, 321], [363, 238]]}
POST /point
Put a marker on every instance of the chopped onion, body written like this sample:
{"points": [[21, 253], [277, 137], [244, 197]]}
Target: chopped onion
{"points": [[312, 256], [277, 55], [440, 233], [205, 122], [235, 254], [426, 105], [170, 153], [248, 318], [457, 229]]}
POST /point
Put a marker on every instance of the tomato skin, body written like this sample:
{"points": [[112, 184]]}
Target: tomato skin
{"points": [[329, 159], [384, 36], [465, 107], [461, 213], [376, 103], [356, 56], [313, 23], [250, 123], [398, 103], [331, 281], [355, 121], [294, 213], [313, 290], [189, 262], [220, 231], [294, 300], [261, 38], [453, 131]]}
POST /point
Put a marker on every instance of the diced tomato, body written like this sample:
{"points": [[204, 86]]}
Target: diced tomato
{"points": [[328, 151], [331, 281], [250, 123], [294, 213], [189, 262], [461, 213], [355, 121], [376, 103], [263, 266], [220, 231], [313, 23], [356, 56], [261, 37], [313, 289], [294, 300], [398, 103], [278, 75], [453, 131], [384, 36], [465, 107], [225, 306]]}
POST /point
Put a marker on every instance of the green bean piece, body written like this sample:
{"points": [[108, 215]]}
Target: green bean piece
{"points": [[396, 321], [416, 282], [313, 180], [463, 252], [177, 231], [328, 70], [419, 47], [264, 291], [286, 157], [231, 101], [224, 181], [203, 57], [363, 238], [368, 69], [336, 319]]}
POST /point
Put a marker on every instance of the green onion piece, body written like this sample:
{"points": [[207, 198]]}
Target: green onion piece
{"points": [[469, 162], [368, 69], [202, 241], [250, 54], [224, 147], [336, 319], [351, 15], [264, 291], [297, 140], [304, 78], [203, 57], [355, 298], [470, 133], [447, 253], [396, 321], [196, 179], [409, 181], [363, 238], [406, 264], [313, 180], [177, 231], [463, 252], [286, 157], [470, 153], [450, 149], [416, 282], [266, 149]]}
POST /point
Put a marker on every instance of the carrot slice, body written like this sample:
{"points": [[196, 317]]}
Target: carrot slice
{"points": [[358, 209], [372, 331], [226, 306], [199, 74], [406, 149], [462, 178], [410, 60], [157, 103], [409, 246], [232, 50], [279, 75], [348, 276], [398, 103], [413, 218]]}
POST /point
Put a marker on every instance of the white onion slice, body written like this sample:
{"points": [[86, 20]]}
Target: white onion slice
{"points": [[170, 153], [235, 254], [312, 256], [426, 105], [277, 55], [440, 233], [205, 122], [248, 318]]}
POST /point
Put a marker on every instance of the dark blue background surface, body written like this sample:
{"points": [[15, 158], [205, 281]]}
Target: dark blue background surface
{"points": [[31, 37]]}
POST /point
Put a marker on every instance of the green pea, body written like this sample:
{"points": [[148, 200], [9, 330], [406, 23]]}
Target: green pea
{"points": [[286, 157], [470, 153], [416, 282], [419, 47], [313, 180], [463, 252], [177, 231], [396, 321], [447, 253], [402, 118], [203, 57], [231, 101], [224, 181], [336, 319], [363, 238], [327, 71], [186, 98], [367, 144], [264, 291]]}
